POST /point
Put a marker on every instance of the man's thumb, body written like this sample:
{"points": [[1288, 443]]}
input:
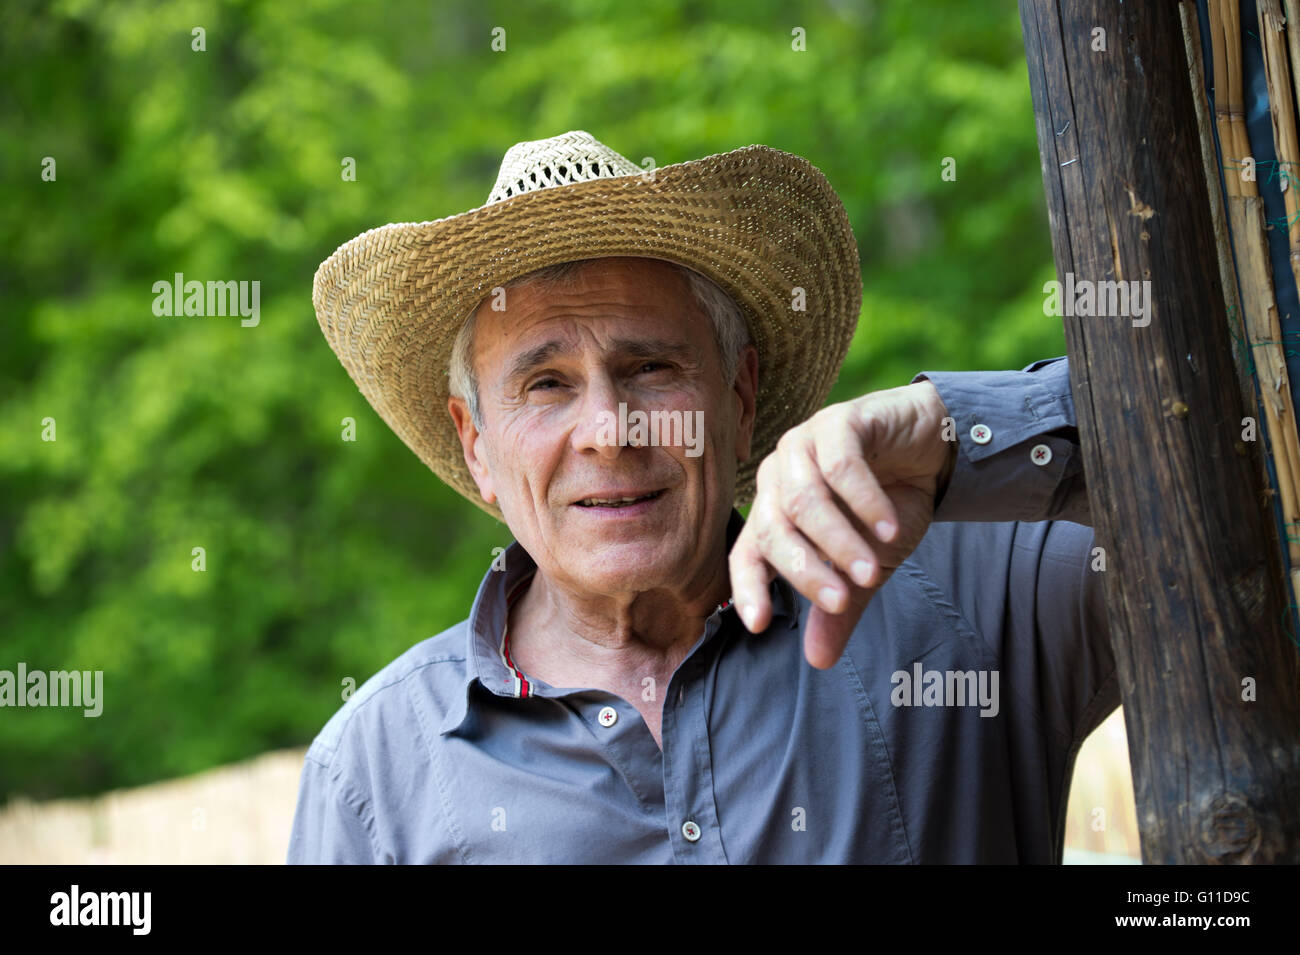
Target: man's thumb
{"points": [[827, 634]]}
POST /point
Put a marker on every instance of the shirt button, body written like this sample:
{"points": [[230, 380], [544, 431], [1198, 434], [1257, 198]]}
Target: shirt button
{"points": [[691, 831], [1041, 454], [981, 434], [608, 716]]}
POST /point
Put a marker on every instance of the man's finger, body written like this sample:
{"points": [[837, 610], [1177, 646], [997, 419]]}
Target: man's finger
{"points": [[813, 510], [827, 634], [847, 473], [750, 575], [793, 556]]}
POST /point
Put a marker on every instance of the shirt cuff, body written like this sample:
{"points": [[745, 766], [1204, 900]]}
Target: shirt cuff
{"points": [[1018, 455]]}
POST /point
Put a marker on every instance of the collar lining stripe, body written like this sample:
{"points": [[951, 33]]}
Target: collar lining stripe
{"points": [[521, 688]]}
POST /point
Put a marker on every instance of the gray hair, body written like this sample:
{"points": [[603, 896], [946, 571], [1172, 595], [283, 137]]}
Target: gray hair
{"points": [[730, 331]]}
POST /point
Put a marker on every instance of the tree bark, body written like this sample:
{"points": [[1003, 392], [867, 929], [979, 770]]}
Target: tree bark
{"points": [[1193, 573]]}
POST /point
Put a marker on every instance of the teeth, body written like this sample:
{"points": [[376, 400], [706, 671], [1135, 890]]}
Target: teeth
{"points": [[607, 501]]}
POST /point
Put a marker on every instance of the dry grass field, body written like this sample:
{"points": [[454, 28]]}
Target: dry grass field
{"points": [[241, 814]]}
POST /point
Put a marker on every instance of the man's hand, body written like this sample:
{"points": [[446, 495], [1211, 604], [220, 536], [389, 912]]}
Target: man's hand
{"points": [[855, 484]]}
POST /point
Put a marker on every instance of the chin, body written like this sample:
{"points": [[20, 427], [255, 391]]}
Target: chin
{"points": [[636, 564]]}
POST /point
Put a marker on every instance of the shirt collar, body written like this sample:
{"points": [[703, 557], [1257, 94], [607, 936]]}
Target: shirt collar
{"points": [[484, 658]]}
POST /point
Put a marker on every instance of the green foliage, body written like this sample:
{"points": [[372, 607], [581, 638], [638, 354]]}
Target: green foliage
{"points": [[325, 559]]}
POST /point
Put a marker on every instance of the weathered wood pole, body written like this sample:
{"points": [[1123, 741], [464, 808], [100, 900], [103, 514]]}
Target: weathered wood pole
{"points": [[1193, 576]]}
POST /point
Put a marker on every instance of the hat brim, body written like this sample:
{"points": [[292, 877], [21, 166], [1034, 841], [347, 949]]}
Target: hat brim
{"points": [[758, 221]]}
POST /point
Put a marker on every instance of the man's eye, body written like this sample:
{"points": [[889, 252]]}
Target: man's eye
{"points": [[543, 383], [653, 365]]}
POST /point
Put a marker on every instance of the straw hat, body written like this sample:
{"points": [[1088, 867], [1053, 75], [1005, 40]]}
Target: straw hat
{"points": [[757, 221]]}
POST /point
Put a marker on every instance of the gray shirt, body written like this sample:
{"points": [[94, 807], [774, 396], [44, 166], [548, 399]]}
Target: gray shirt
{"points": [[946, 733]]}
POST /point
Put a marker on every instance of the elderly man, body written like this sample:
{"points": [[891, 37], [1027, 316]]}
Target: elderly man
{"points": [[894, 659]]}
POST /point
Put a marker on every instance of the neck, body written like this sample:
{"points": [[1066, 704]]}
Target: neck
{"points": [[612, 641]]}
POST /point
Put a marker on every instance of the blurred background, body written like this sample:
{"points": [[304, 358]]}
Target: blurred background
{"points": [[327, 558]]}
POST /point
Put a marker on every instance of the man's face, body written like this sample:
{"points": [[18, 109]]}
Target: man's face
{"points": [[553, 368]]}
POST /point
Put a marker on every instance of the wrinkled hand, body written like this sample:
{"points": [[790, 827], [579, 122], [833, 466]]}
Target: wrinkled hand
{"points": [[855, 484]]}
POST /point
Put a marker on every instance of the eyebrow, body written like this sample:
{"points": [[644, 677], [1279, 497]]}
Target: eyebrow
{"points": [[526, 361]]}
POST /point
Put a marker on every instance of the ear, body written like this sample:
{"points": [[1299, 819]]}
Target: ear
{"points": [[745, 390], [469, 442]]}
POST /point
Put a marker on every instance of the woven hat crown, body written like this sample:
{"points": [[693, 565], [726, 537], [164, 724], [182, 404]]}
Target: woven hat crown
{"points": [[571, 157]]}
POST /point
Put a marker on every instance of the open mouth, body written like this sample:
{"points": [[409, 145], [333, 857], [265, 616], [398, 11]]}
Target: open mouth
{"points": [[617, 502]]}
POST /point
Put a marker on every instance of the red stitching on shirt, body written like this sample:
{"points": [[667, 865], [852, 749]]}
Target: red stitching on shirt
{"points": [[524, 686]]}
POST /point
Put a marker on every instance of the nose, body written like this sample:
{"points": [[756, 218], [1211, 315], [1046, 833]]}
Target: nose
{"points": [[598, 418]]}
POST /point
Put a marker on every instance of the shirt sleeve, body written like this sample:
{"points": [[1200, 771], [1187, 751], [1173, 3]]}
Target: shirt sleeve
{"points": [[1019, 559], [1018, 455], [330, 827]]}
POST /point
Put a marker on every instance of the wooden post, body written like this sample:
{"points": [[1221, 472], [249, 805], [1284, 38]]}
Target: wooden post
{"points": [[1209, 677]]}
